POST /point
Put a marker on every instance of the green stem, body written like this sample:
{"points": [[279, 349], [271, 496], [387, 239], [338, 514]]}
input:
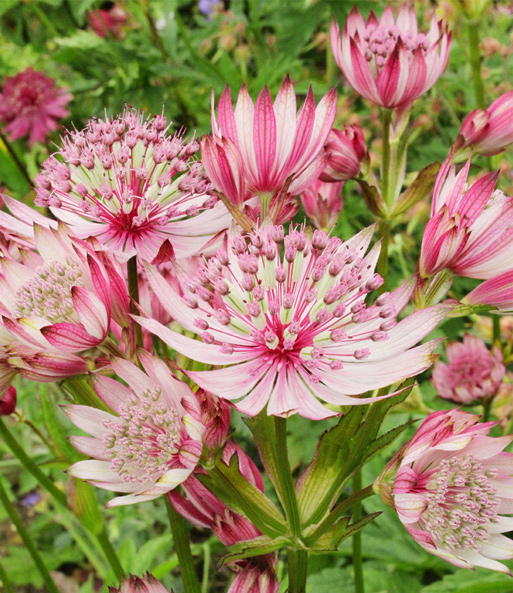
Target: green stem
{"points": [[386, 118], [475, 63], [357, 537], [382, 267], [110, 553], [27, 540], [297, 567], [4, 579], [496, 325], [297, 558], [183, 549], [206, 567], [487, 405], [133, 290], [58, 495], [29, 465], [337, 512], [16, 159]]}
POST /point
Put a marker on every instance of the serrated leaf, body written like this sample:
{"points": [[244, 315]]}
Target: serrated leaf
{"points": [[333, 447], [420, 188], [228, 484], [384, 440], [254, 547], [340, 531]]}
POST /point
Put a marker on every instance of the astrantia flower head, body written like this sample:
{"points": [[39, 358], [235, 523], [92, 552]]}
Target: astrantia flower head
{"points": [[107, 22], [131, 185], [287, 314], [54, 303], [473, 372], [388, 61], [470, 232], [151, 444], [322, 202], [453, 488], [347, 150], [146, 584], [32, 105], [488, 131], [266, 149]]}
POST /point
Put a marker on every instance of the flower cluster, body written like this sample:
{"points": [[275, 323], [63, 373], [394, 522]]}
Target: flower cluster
{"points": [[388, 61], [295, 328], [131, 185], [452, 490], [473, 372], [151, 444], [31, 104]]}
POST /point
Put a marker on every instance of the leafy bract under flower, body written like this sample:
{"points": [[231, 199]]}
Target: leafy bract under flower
{"points": [[128, 183], [153, 440], [287, 315]]}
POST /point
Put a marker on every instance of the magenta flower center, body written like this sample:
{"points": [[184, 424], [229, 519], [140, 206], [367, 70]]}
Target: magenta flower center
{"points": [[142, 441], [48, 294], [461, 503], [380, 41]]}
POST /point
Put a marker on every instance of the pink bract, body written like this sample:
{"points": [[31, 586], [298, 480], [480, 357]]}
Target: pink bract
{"points": [[142, 460], [496, 292], [473, 372], [32, 105], [266, 148], [453, 488], [322, 202], [128, 183], [146, 584], [388, 61], [470, 231], [293, 328], [347, 150], [488, 131]]}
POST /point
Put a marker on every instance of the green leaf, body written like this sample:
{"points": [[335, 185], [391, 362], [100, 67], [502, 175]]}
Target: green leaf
{"points": [[330, 541], [468, 581], [373, 199], [254, 547], [55, 429], [384, 440], [228, 484], [420, 188], [331, 453], [83, 504], [83, 393]]}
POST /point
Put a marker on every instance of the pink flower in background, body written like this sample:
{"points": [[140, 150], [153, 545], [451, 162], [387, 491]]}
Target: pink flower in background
{"points": [[146, 584], [203, 509], [107, 22], [266, 148], [388, 61], [32, 105], [347, 151], [132, 186], [143, 459], [322, 202], [473, 372], [292, 328], [470, 231], [488, 131], [54, 304], [453, 488]]}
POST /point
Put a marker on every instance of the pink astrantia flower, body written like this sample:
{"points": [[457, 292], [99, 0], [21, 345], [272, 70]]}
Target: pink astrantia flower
{"points": [[142, 459], [322, 202], [128, 183], [453, 488], [292, 328], [488, 131], [54, 304], [146, 584], [32, 105], [203, 509], [473, 372], [107, 22], [470, 231], [267, 149], [388, 61], [347, 151]]}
